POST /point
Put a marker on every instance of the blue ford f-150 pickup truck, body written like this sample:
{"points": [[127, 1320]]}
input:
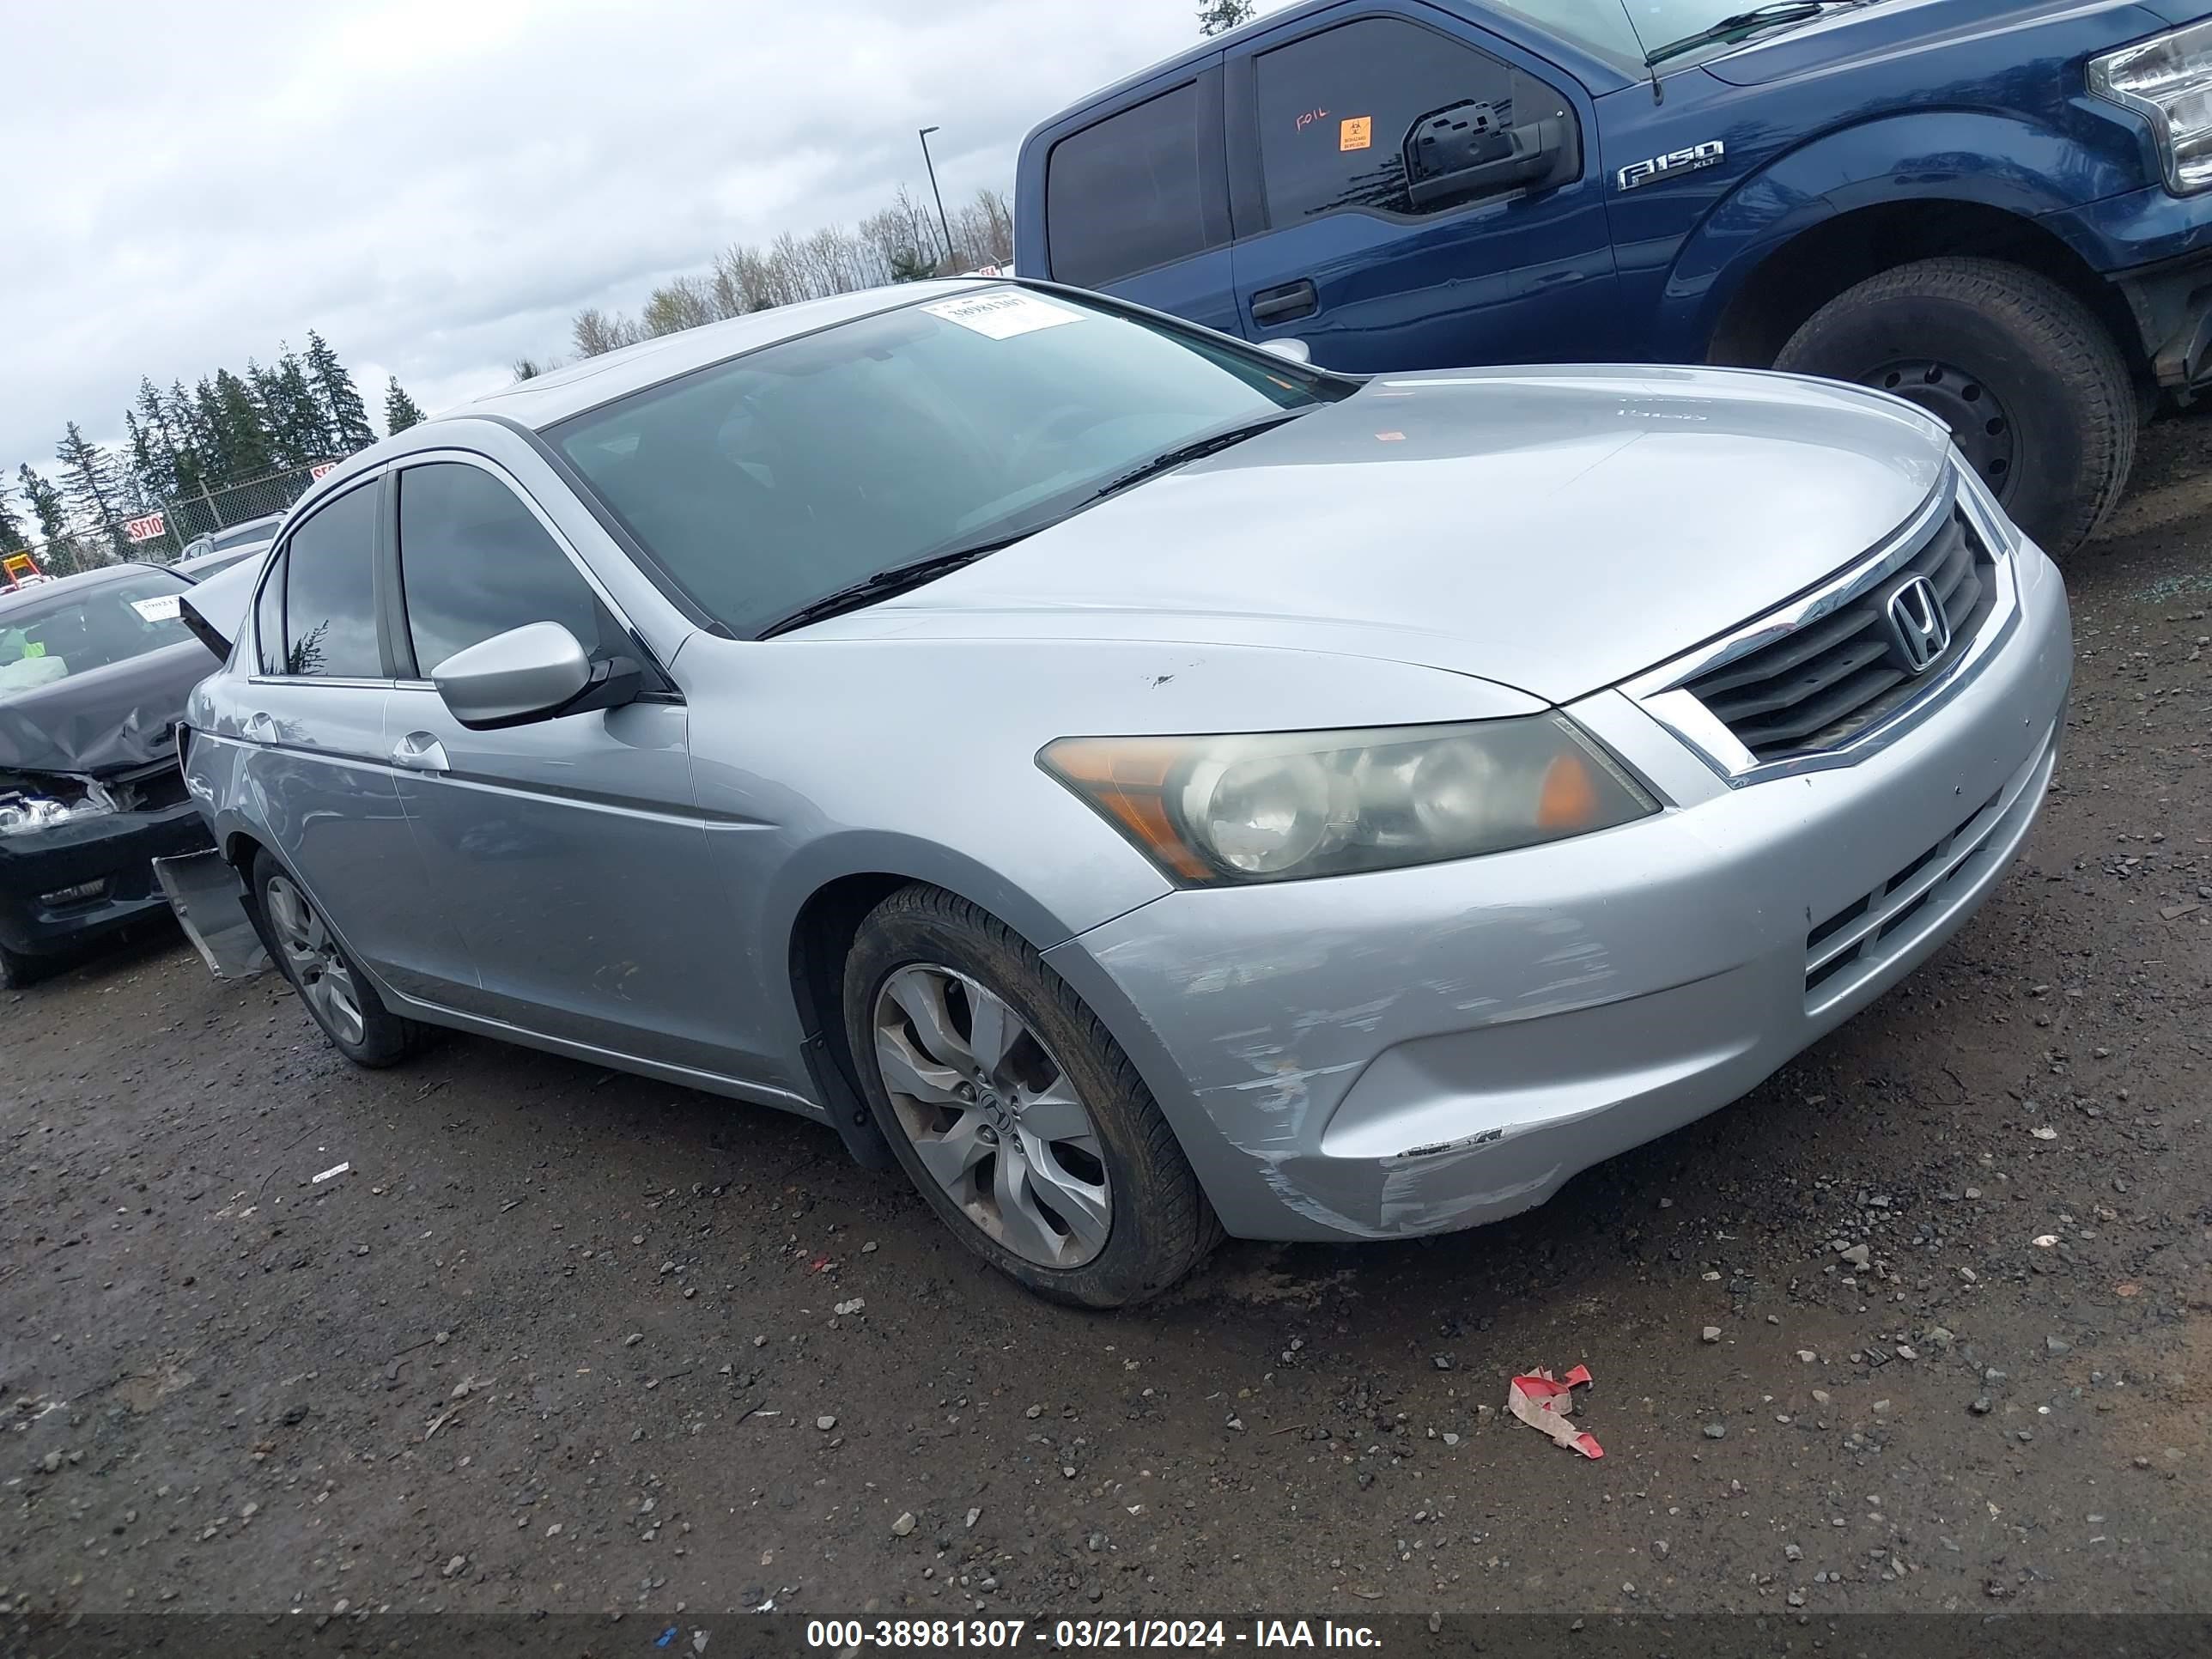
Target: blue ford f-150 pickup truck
{"points": [[2002, 212]]}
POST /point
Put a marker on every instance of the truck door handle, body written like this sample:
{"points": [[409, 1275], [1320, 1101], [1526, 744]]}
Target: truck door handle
{"points": [[1280, 305], [418, 751]]}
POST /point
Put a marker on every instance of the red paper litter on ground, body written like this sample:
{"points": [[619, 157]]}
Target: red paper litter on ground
{"points": [[1543, 1402]]}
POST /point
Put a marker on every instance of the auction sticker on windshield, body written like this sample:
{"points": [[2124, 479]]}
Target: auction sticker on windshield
{"points": [[162, 607], [1003, 313]]}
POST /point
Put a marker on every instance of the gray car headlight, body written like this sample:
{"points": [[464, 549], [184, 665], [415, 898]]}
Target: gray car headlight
{"points": [[21, 814], [2167, 80], [1283, 806]]}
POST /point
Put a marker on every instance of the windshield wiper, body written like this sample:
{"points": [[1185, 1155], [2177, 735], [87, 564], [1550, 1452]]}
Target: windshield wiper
{"points": [[1744, 23], [899, 579], [1196, 449]]}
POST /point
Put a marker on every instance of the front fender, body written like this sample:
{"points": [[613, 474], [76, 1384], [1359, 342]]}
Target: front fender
{"points": [[2017, 166]]}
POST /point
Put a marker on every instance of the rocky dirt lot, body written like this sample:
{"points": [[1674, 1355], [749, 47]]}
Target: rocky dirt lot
{"points": [[1924, 1323]]}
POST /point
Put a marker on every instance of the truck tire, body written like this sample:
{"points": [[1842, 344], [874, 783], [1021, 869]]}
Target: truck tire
{"points": [[2036, 394]]}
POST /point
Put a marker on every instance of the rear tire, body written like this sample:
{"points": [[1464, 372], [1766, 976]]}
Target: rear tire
{"points": [[1040, 1147], [2036, 392], [331, 984]]}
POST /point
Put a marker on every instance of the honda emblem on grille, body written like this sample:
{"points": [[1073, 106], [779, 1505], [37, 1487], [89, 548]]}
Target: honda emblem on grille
{"points": [[1917, 618]]}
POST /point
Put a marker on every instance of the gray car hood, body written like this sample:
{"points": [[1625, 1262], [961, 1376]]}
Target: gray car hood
{"points": [[1552, 530]]}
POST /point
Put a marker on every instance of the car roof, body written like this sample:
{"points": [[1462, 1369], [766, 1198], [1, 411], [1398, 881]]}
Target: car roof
{"points": [[15, 599], [541, 401]]}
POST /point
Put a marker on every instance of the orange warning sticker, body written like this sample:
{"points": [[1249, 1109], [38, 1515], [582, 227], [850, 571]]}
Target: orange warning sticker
{"points": [[1355, 132]]}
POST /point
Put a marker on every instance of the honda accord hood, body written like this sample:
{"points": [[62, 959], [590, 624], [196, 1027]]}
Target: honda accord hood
{"points": [[1552, 530]]}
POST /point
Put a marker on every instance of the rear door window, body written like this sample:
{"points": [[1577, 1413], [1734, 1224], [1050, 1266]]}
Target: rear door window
{"points": [[1334, 108], [330, 592], [1128, 194], [474, 562]]}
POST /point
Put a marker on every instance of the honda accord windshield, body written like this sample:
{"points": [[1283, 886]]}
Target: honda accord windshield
{"points": [[832, 470]]}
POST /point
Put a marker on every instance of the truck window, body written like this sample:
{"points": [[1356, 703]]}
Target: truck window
{"points": [[1334, 107], [1123, 196]]}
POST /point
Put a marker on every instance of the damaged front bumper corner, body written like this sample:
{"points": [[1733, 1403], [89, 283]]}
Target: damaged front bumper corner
{"points": [[1413, 1051]]}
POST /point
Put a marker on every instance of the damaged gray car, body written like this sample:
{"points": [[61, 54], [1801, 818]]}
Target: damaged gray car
{"points": [[94, 673], [1144, 786]]}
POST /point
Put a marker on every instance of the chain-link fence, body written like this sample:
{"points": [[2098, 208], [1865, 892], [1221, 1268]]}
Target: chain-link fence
{"points": [[161, 534]]}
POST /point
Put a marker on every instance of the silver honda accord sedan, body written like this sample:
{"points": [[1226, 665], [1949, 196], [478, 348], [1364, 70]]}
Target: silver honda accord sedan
{"points": [[1144, 786]]}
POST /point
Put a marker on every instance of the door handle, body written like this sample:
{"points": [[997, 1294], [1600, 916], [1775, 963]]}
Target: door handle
{"points": [[418, 751], [1280, 305]]}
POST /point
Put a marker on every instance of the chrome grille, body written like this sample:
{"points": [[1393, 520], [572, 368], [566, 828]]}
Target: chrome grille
{"points": [[1822, 683]]}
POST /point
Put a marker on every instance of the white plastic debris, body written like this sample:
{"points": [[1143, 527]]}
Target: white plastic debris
{"points": [[332, 1173]]}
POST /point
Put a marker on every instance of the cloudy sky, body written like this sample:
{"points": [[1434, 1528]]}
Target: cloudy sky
{"points": [[437, 185]]}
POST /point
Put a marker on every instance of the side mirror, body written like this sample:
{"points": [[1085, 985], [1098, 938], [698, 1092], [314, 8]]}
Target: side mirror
{"points": [[1296, 351], [1465, 152], [530, 673]]}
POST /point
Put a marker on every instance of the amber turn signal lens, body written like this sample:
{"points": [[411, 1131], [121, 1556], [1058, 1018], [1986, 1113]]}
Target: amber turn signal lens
{"points": [[1569, 797], [1127, 781]]}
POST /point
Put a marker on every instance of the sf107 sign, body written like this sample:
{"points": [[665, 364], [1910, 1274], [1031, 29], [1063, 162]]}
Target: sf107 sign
{"points": [[146, 528]]}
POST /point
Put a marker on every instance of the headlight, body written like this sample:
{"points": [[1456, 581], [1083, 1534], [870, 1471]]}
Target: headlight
{"points": [[2168, 80], [1286, 805], [21, 814]]}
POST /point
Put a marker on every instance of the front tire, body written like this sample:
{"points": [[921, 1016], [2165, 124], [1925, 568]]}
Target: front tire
{"points": [[337, 993], [2035, 391], [17, 970], [1013, 1111]]}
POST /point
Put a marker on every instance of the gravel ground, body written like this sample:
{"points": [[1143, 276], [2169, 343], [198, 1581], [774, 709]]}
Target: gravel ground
{"points": [[1921, 1324]]}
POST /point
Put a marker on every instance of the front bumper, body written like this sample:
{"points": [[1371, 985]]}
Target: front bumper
{"points": [[1418, 1050], [117, 850], [2155, 248]]}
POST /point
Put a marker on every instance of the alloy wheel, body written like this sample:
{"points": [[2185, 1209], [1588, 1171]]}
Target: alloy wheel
{"points": [[992, 1114], [314, 956]]}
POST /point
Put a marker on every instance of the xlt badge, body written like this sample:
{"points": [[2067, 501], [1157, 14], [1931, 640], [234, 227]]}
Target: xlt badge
{"points": [[1709, 154]]}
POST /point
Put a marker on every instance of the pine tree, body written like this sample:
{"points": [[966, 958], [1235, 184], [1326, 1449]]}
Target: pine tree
{"points": [[207, 418], [400, 411], [45, 501], [241, 438], [343, 410], [182, 418], [154, 454], [90, 481], [11, 529], [305, 430]]}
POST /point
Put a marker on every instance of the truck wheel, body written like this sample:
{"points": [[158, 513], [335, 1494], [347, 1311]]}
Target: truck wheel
{"points": [[2034, 391], [1013, 1112]]}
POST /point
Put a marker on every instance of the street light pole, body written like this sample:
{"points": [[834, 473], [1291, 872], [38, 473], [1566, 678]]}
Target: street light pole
{"points": [[942, 223]]}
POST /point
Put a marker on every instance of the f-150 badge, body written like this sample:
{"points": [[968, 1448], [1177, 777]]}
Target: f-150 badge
{"points": [[1709, 154]]}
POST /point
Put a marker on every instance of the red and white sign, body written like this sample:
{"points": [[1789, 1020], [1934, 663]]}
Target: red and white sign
{"points": [[146, 528], [320, 468]]}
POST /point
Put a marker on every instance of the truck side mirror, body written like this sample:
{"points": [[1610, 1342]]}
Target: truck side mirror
{"points": [[1466, 151]]}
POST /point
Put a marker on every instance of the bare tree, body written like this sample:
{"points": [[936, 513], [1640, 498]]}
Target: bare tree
{"points": [[687, 302], [597, 332], [896, 244]]}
